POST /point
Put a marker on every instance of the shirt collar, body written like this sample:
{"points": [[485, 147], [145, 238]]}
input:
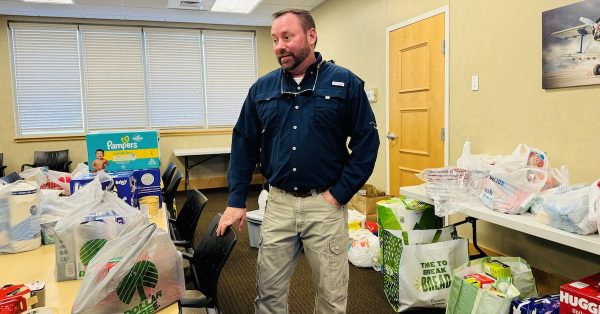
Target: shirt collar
{"points": [[309, 76]]}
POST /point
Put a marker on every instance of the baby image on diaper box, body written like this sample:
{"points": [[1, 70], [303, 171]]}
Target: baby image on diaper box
{"points": [[123, 150]]}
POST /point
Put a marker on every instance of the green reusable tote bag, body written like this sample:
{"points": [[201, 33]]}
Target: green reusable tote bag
{"points": [[418, 266], [468, 299]]}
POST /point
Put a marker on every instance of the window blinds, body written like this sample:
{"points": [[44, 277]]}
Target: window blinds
{"points": [[230, 71], [47, 79], [174, 77], [114, 77]]}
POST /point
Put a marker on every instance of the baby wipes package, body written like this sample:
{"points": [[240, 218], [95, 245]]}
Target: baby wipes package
{"points": [[126, 150]]}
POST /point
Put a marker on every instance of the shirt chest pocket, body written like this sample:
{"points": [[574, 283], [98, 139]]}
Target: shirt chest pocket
{"points": [[267, 110], [329, 104]]}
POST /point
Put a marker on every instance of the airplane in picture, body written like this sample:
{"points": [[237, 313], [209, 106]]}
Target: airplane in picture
{"points": [[589, 27]]}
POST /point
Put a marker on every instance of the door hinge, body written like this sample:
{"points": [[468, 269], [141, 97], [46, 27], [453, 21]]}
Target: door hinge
{"points": [[443, 46], [443, 134]]}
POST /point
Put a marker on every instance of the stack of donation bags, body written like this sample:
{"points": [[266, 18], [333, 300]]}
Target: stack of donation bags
{"points": [[518, 183], [126, 264]]}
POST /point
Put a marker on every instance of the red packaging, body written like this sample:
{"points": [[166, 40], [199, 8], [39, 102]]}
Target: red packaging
{"points": [[581, 296], [485, 281]]}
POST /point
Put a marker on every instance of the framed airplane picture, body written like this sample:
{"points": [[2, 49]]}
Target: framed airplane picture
{"points": [[571, 45]]}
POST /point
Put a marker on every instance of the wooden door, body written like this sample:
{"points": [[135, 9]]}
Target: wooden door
{"points": [[416, 94]]}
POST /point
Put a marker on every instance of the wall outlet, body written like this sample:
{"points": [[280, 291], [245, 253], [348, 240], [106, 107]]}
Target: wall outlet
{"points": [[371, 94]]}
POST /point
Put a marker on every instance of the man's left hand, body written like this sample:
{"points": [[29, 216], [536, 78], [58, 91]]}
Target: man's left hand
{"points": [[330, 199]]}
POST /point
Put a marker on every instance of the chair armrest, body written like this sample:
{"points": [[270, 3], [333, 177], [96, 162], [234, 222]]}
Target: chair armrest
{"points": [[2, 167], [186, 255], [199, 302], [66, 166], [172, 220], [183, 243], [28, 165]]}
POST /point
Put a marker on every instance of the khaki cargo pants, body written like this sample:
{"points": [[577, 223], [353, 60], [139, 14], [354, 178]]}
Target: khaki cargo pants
{"points": [[289, 225]]}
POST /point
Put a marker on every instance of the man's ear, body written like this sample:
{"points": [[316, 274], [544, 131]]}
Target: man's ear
{"points": [[312, 36]]}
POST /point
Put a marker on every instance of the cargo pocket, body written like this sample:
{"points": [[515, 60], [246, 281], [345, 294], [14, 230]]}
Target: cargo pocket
{"points": [[338, 262]]}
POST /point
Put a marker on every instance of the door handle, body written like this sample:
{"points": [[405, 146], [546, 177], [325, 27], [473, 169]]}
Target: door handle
{"points": [[390, 136]]}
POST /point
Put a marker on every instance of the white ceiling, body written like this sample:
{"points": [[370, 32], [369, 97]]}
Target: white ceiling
{"points": [[152, 10]]}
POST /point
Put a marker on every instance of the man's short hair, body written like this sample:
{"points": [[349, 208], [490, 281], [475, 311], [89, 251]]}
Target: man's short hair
{"points": [[305, 17]]}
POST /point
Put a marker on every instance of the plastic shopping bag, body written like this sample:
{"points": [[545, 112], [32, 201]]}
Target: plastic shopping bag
{"points": [[84, 231], [467, 298], [138, 272], [418, 264], [447, 187], [569, 209], [364, 249], [19, 217], [513, 192], [479, 167], [54, 207], [594, 206]]}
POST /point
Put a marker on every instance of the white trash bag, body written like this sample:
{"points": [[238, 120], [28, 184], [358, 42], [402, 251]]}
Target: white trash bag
{"points": [[364, 249], [138, 272], [84, 231]]}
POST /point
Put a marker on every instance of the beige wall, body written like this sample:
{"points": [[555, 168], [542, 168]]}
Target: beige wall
{"points": [[16, 154], [501, 42]]}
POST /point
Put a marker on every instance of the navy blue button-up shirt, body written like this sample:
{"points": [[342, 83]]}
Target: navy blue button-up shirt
{"points": [[299, 134]]}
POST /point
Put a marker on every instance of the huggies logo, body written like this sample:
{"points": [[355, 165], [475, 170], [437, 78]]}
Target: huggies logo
{"points": [[580, 302], [123, 145]]}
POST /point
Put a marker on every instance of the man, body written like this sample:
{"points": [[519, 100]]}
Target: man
{"points": [[296, 122]]}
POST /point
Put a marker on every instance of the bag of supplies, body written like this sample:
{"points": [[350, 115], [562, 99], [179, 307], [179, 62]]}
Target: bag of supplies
{"points": [[138, 272], [81, 234], [19, 217], [466, 297], [418, 264]]}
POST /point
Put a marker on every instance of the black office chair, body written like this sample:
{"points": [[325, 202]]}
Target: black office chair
{"points": [[2, 166], [54, 160], [169, 195], [167, 176], [206, 264], [183, 228], [11, 177]]}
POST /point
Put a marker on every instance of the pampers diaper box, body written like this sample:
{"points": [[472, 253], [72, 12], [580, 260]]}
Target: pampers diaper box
{"points": [[123, 150]]}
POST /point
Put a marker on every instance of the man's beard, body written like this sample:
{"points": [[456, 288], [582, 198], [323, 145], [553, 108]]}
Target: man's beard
{"points": [[299, 58]]}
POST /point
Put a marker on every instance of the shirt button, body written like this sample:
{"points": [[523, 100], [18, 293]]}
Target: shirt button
{"points": [[298, 88], [294, 148], [295, 127], [295, 188], [296, 107], [294, 169]]}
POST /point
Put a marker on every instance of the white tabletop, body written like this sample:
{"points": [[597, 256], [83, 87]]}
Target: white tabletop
{"points": [[525, 223], [202, 151]]}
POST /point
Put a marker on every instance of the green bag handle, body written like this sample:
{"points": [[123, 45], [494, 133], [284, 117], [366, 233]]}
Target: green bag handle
{"points": [[436, 237]]}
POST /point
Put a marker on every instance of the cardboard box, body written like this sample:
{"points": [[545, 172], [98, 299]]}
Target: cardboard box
{"points": [[127, 150], [581, 296], [366, 203], [122, 180]]}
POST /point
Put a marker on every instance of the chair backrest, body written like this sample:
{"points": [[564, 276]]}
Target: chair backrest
{"points": [[169, 194], [210, 257], [54, 160], [2, 166], [167, 176], [188, 216], [11, 177]]}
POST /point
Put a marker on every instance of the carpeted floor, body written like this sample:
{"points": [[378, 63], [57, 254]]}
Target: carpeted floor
{"points": [[237, 282]]}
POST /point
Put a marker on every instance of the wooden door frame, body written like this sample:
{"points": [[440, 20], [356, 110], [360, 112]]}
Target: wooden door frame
{"points": [[446, 11]]}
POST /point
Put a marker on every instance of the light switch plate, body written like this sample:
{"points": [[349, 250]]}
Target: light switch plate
{"points": [[371, 94], [475, 82]]}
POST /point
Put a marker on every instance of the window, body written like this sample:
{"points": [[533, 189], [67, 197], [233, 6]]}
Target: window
{"points": [[73, 79]]}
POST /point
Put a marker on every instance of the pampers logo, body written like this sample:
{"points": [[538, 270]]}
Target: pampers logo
{"points": [[137, 138], [123, 145]]}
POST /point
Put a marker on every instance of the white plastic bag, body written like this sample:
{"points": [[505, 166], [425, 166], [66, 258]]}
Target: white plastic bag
{"points": [[513, 192], [447, 187], [19, 217], [594, 206], [479, 167], [85, 230], [138, 272], [364, 249], [54, 207], [569, 209]]}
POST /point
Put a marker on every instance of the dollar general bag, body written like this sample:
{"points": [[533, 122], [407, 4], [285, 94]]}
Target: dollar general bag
{"points": [[466, 298], [418, 264], [84, 231], [138, 272]]}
